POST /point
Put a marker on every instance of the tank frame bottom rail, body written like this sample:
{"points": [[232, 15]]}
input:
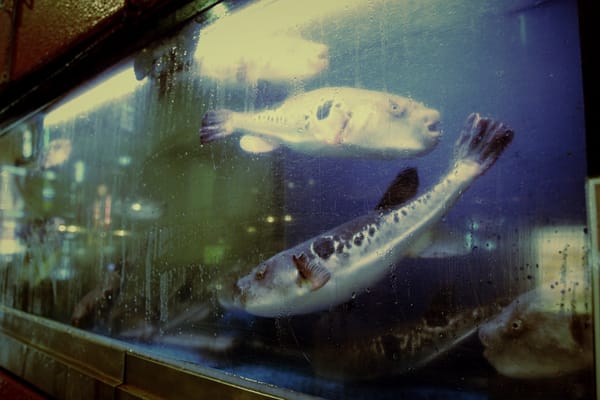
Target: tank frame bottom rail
{"points": [[67, 363], [593, 211]]}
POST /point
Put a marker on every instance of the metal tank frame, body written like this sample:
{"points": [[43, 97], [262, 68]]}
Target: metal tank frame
{"points": [[68, 363]]}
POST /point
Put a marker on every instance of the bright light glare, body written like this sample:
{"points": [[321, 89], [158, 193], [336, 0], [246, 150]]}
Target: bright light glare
{"points": [[121, 233], [219, 10], [124, 161], [62, 274], [11, 246], [104, 90], [265, 41], [27, 144], [73, 229], [79, 174], [276, 17], [560, 253], [69, 228]]}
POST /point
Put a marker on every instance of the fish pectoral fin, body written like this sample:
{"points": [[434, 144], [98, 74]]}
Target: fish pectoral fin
{"points": [[439, 242], [316, 274], [254, 144]]}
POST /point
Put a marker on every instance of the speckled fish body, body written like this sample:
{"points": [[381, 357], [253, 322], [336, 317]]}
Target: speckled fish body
{"points": [[332, 267], [333, 121], [400, 349]]}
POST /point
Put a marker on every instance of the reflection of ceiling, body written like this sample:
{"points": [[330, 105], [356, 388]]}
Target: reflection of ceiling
{"points": [[104, 90]]}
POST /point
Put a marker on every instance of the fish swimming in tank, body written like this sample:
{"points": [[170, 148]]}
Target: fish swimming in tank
{"points": [[334, 266], [333, 121], [247, 59], [400, 349], [543, 333]]}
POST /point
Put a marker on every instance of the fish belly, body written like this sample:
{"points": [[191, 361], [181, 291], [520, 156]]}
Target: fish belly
{"points": [[273, 126]]}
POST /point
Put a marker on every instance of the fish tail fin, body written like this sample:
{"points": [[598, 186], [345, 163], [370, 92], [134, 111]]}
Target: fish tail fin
{"points": [[482, 140], [216, 124]]}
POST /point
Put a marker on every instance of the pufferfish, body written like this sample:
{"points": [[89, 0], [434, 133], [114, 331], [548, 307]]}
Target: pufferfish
{"points": [[333, 121], [273, 58], [543, 333]]}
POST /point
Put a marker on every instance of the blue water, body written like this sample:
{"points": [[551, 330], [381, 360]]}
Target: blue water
{"points": [[520, 67]]}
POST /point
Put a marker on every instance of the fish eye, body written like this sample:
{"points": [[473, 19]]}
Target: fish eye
{"points": [[516, 325], [396, 109], [260, 273]]}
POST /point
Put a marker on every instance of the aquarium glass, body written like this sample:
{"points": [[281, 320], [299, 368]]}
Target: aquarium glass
{"points": [[348, 199]]}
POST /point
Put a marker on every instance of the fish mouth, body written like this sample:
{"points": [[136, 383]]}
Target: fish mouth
{"points": [[434, 128], [232, 298], [227, 302], [486, 339]]}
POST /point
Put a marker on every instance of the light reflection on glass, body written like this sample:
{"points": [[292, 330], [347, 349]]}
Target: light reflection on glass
{"points": [[10, 243], [79, 174], [114, 87], [560, 250], [11, 209], [27, 144]]}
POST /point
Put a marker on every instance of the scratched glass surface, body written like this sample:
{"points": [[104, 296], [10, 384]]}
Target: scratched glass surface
{"points": [[278, 190]]}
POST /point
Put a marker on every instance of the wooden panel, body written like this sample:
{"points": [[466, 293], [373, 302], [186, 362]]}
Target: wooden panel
{"points": [[47, 28], [6, 22]]}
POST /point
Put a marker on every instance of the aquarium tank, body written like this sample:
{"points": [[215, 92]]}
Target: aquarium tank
{"points": [[318, 199]]}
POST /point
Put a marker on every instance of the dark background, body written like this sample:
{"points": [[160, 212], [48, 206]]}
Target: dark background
{"points": [[589, 65]]}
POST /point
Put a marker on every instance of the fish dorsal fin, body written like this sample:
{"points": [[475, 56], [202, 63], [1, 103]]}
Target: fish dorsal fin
{"points": [[254, 144], [403, 188], [316, 274]]}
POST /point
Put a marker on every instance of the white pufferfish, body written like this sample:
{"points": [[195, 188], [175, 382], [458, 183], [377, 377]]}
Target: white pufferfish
{"points": [[333, 121]]}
